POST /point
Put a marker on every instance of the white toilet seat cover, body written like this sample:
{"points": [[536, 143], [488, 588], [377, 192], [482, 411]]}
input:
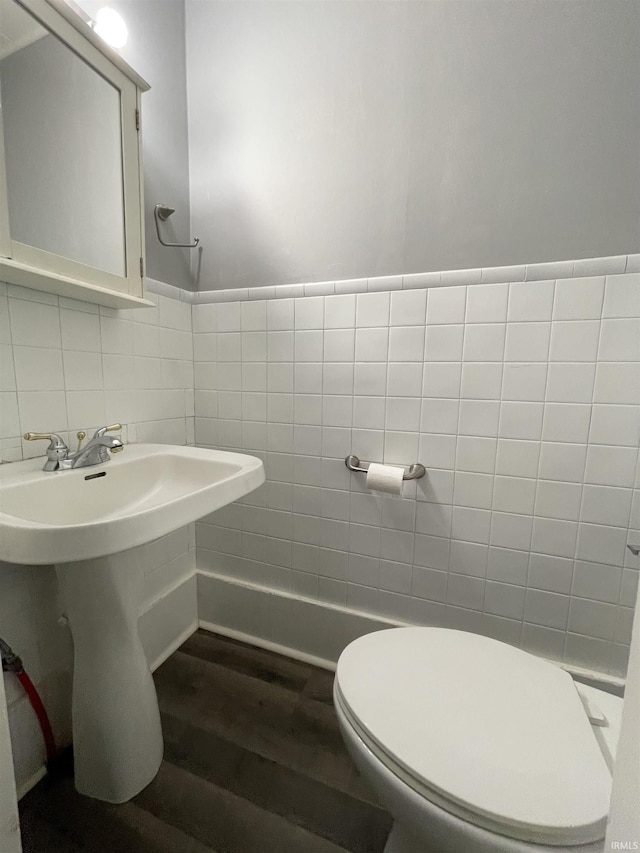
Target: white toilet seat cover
{"points": [[485, 730]]}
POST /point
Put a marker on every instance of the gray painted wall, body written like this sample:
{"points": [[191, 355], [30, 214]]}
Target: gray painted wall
{"points": [[347, 139], [156, 49]]}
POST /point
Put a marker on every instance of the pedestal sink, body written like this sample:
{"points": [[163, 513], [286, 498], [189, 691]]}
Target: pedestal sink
{"points": [[86, 521]]}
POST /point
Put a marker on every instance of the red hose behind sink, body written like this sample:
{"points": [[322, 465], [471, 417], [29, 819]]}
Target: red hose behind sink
{"points": [[12, 663], [40, 712]]}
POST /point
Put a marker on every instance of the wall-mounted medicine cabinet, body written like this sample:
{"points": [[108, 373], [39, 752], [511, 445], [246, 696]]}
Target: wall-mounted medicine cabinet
{"points": [[70, 163]]}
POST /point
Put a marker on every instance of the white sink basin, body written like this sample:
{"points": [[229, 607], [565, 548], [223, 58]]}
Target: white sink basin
{"points": [[143, 493], [88, 521]]}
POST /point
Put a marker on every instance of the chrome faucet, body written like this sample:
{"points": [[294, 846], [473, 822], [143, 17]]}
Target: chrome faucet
{"points": [[96, 452]]}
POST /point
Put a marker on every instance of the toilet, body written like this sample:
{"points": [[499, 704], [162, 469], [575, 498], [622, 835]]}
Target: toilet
{"points": [[475, 746]]}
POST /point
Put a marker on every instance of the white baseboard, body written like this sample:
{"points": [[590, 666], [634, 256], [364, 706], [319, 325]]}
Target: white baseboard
{"points": [[311, 631], [306, 630], [31, 782], [173, 645], [168, 622], [259, 643]]}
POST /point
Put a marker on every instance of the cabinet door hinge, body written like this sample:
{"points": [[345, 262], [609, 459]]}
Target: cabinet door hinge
{"points": [[137, 119], [141, 267]]}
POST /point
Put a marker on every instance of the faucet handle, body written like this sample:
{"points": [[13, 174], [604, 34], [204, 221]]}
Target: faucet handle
{"points": [[56, 452], [55, 441], [110, 428]]}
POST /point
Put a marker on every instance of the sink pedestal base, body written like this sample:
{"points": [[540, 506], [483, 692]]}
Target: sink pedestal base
{"points": [[117, 736]]}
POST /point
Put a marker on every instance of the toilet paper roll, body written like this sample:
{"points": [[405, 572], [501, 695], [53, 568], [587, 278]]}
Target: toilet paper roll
{"points": [[385, 478]]}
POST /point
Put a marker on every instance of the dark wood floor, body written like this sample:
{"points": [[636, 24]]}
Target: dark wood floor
{"points": [[254, 763]]}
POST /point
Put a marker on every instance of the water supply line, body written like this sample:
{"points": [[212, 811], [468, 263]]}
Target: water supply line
{"points": [[12, 663]]}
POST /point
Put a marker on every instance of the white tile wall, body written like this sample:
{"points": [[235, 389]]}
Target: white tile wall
{"points": [[69, 365], [521, 398]]}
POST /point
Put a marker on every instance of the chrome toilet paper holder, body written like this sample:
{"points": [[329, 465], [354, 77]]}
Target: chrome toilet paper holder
{"points": [[415, 472]]}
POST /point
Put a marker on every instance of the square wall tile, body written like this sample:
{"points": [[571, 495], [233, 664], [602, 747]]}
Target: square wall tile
{"points": [[487, 303], [81, 331], [622, 296], [372, 344], [253, 316], [479, 417], [579, 298], [408, 308], [370, 378], [617, 382], [340, 311], [610, 466], [441, 379], [403, 414], [34, 322], [339, 344], [514, 494], [406, 343], [546, 608], [476, 455], [553, 574], [404, 379], [574, 341], [473, 490], [429, 583], [615, 425], [527, 341], [446, 305], [228, 316], [558, 500], [597, 581], [530, 301], [564, 462], [309, 312], [439, 416], [439, 451], [484, 342], [592, 618], [521, 420], [465, 592], [38, 369], [517, 458], [510, 530], [444, 343], [554, 537], [570, 383], [620, 340], [504, 600], [281, 314], [525, 382], [468, 558], [566, 422], [372, 309], [507, 565], [481, 381], [470, 524], [606, 505]]}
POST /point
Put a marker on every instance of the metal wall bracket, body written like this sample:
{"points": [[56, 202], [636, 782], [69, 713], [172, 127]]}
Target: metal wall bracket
{"points": [[163, 212]]}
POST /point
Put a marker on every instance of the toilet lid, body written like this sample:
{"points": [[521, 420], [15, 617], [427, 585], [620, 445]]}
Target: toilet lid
{"points": [[484, 730]]}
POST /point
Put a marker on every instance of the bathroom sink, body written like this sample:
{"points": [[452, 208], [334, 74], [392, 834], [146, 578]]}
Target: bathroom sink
{"points": [[139, 495], [88, 522]]}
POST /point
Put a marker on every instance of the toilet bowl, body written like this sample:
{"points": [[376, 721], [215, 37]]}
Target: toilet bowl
{"points": [[474, 746]]}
